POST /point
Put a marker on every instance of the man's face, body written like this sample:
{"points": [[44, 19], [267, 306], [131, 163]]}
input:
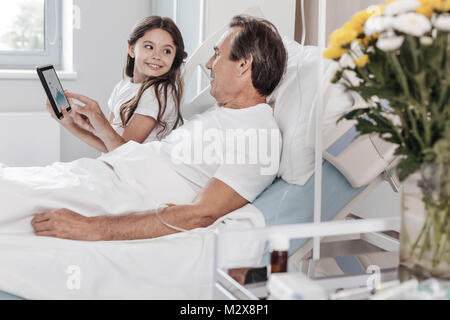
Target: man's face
{"points": [[224, 72]]}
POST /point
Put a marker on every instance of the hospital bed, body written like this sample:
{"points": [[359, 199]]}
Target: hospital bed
{"points": [[344, 185], [353, 166], [284, 203]]}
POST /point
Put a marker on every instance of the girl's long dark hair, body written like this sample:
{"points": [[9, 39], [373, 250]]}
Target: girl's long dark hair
{"points": [[162, 84]]}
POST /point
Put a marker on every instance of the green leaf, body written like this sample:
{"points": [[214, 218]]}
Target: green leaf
{"points": [[434, 54], [354, 114], [376, 67], [338, 76], [408, 166]]}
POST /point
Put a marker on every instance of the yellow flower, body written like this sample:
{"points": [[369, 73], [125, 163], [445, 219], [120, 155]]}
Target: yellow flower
{"points": [[359, 19], [343, 36], [351, 25], [364, 41], [439, 5], [334, 53], [427, 2], [381, 8], [356, 23], [363, 61], [426, 8], [375, 10]]}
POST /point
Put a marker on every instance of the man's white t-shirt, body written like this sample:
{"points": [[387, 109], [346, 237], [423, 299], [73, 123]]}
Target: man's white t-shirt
{"points": [[147, 106], [202, 149], [240, 147]]}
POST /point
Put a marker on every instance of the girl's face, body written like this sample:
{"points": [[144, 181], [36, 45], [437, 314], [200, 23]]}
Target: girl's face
{"points": [[154, 54]]}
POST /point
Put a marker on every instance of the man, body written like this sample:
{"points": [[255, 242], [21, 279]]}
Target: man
{"points": [[247, 65]]}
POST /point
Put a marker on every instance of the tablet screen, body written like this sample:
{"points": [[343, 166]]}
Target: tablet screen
{"points": [[55, 88]]}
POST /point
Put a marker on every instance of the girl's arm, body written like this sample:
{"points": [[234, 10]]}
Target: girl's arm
{"points": [[90, 125], [68, 122], [139, 128], [95, 123], [87, 137], [91, 119]]}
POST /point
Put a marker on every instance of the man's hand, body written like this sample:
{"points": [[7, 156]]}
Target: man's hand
{"points": [[65, 224], [215, 200]]}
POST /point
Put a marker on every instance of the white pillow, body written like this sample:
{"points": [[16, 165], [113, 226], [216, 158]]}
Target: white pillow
{"points": [[293, 102]]}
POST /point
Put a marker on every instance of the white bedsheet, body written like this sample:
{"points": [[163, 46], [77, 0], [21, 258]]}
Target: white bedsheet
{"points": [[173, 267]]}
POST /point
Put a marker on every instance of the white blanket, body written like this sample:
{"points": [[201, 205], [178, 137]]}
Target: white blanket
{"points": [[178, 266], [172, 267]]}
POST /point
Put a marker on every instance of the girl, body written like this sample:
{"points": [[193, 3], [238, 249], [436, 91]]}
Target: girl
{"points": [[145, 105]]}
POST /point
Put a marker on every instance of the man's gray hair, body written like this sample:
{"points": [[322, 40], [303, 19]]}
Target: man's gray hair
{"points": [[260, 39]]}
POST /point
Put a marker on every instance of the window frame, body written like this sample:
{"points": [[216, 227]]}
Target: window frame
{"points": [[52, 48], [175, 9]]}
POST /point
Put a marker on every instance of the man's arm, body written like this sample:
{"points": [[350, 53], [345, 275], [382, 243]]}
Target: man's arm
{"points": [[215, 200]]}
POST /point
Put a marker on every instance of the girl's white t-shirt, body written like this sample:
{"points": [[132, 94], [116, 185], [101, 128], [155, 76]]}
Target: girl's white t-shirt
{"points": [[148, 106]]}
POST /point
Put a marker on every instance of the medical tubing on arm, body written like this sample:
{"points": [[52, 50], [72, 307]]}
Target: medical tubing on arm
{"points": [[280, 203], [161, 206]]}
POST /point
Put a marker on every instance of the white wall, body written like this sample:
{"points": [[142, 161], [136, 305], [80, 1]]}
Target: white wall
{"points": [[281, 13], [338, 13], [100, 51], [28, 139], [99, 56], [188, 17], [382, 202]]}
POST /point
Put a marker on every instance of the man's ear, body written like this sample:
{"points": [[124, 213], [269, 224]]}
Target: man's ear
{"points": [[131, 51], [245, 65]]}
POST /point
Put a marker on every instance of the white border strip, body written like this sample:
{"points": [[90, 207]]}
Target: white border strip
{"points": [[323, 229], [318, 145], [32, 75]]}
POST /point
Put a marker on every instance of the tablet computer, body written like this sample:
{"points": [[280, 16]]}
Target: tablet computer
{"points": [[53, 89]]}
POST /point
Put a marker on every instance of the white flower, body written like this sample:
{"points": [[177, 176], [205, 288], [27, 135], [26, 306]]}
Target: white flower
{"points": [[346, 61], [390, 43], [377, 24], [442, 23], [426, 41], [412, 23], [434, 33], [401, 6], [352, 77], [356, 48]]}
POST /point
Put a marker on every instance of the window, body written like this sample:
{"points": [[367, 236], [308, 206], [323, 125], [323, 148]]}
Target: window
{"points": [[189, 16], [30, 33]]}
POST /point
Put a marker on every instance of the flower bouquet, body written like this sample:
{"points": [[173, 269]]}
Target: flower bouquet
{"points": [[396, 56]]}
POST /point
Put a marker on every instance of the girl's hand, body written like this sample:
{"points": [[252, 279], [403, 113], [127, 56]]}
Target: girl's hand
{"points": [[89, 117], [66, 121]]}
